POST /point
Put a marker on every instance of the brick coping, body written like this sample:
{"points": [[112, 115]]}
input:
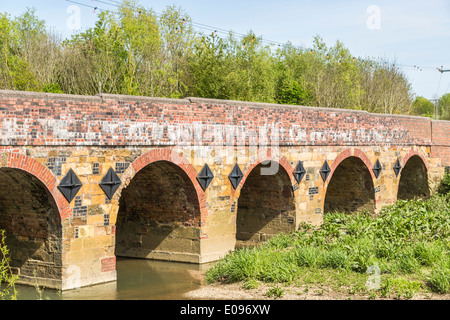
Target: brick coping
{"points": [[103, 97]]}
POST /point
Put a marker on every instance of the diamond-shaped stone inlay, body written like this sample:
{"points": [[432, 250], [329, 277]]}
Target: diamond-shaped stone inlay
{"points": [[205, 177], [397, 167], [110, 183], [70, 185], [235, 176], [325, 171], [377, 169], [299, 172]]}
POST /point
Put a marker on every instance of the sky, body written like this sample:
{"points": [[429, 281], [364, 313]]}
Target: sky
{"points": [[414, 34]]}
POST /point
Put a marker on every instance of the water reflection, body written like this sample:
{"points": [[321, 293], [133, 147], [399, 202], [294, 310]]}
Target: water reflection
{"points": [[137, 279]]}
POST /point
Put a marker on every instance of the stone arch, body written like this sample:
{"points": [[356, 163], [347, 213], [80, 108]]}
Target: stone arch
{"points": [[350, 184], [161, 209], [31, 211], [43, 174], [266, 204], [412, 153], [413, 177], [281, 161]]}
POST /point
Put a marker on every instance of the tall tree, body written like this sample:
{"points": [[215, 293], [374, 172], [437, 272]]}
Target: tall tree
{"points": [[443, 105], [178, 37], [423, 107], [133, 51], [208, 67]]}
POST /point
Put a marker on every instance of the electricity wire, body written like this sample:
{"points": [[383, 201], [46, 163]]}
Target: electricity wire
{"points": [[448, 87], [217, 30]]}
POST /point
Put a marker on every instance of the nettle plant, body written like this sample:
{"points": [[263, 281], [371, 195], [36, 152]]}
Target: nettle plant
{"points": [[7, 278]]}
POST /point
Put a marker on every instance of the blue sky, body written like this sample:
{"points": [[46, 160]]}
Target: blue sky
{"points": [[408, 32]]}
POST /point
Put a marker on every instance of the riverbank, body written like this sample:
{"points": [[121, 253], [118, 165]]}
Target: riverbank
{"points": [[235, 291], [401, 253]]}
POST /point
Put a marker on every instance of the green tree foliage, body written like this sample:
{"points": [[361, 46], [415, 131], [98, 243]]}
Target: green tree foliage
{"points": [[115, 56], [292, 69], [134, 51], [15, 71], [178, 40], [251, 71], [423, 107], [207, 67], [443, 105], [29, 52]]}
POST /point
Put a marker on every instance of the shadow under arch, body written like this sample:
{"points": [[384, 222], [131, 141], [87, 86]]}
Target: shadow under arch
{"points": [[350, 186], [31, 218], [160, 212], [266, 204], [413, 181]]}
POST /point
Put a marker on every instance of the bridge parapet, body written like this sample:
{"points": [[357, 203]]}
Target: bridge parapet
{"points": [[37, 119]]}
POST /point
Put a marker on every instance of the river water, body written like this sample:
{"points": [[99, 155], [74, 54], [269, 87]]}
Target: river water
{"points": [[137, 279]]}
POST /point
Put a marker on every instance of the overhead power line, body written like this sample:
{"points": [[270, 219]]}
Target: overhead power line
{"points": [[217, 30], [85, 5]]}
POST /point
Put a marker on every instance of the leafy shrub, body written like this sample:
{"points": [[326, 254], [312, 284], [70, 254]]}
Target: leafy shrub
{"points": [[444, 187], [6, 276], [52, 88]]}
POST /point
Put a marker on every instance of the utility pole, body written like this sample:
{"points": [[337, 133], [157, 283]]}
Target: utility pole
{"points": [[441, 70], [435, 107]]}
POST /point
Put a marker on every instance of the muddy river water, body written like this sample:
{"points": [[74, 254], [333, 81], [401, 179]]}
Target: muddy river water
{"points": [[136, 280]]}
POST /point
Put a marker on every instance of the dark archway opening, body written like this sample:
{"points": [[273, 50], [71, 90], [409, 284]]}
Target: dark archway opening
{"points": [[159, 215], [413, 180], [351, 188], [32, 225], [266, 206]]}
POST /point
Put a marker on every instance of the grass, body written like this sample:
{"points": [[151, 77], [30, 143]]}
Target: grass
{"points": [[276, 292], [402, 251]]}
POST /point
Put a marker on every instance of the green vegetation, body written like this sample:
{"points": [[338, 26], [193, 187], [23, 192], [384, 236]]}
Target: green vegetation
{"points": [[443, 105], [7, 279], [276, 291], [423, 107], [426, 108], [134, 51], [406, 248]]}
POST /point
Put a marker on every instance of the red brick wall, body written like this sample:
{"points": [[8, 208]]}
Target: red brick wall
{"points": [[52, 119], [109, 264], [441, 141]]}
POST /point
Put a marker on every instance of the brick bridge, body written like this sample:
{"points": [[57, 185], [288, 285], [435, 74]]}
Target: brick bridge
{"points": [[84, 179]]}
